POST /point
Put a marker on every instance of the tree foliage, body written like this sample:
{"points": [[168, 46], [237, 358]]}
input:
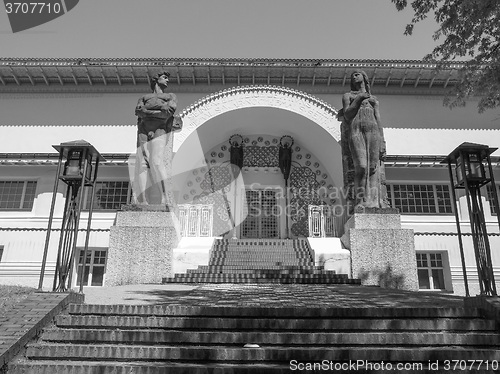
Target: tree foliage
{"points": [[471, 33]]}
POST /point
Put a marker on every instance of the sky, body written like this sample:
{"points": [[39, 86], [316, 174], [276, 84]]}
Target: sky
{"points": [[313, 29]]}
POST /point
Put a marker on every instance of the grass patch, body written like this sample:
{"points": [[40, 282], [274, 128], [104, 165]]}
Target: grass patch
{"points": [[12, 295]]}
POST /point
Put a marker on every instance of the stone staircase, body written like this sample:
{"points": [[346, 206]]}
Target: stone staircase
{"points": [[261, 261], [139, 339]]}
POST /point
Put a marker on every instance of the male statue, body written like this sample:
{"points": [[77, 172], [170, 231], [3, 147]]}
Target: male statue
{"points": [[155, 126]]}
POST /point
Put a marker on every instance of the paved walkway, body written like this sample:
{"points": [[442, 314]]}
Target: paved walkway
{"points": [[273, 295], [26, 319]]}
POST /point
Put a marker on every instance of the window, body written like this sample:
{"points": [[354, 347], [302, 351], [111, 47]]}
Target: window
{"points": [[110, 195], [1, 252], [420, 198], [17, 195], [95, 267], [489, 198], [430, 271]]}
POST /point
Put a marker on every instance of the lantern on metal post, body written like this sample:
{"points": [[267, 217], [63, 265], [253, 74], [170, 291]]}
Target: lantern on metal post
{"points": [[77, 168], [469, 166]]}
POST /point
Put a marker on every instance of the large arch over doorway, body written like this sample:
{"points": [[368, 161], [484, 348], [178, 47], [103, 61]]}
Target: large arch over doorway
{"points": [[323, 138], [235, 98], [261, 110]]}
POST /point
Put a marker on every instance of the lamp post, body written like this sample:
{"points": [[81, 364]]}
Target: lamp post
{"points": [[77, 168], [469, 166]]}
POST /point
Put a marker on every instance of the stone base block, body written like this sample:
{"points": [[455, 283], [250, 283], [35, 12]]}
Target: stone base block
{"points": [[140, 247], [381, 254]]}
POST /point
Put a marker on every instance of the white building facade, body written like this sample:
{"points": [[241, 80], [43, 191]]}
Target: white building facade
{"points": [[48, 102]]}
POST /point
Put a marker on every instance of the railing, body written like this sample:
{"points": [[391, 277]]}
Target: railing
{"points": [[196, 220], [326, 221]]}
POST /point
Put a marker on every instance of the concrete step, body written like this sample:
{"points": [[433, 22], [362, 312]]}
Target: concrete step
{"points": [[259, 281], [271, 338], [262, 277], [355, 366], [271, 267], [263, 312], [126, 339], [256, 263], [279, 324], [118, 367], [230, 270], [114, 367], [275, 354], [271, 274], [237, 258]]}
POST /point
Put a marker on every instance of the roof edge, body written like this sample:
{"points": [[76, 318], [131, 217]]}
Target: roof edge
{"points": [[161, 61]]}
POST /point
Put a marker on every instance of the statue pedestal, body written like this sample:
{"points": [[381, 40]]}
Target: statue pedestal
{"points": [[141, 243], [382, 253]]}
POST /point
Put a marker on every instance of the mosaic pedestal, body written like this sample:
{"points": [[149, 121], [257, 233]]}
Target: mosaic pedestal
{"points": [[140, 246], [382, 253]]}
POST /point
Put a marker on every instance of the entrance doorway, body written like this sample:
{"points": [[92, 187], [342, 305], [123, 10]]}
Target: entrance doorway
{"points": [[262, 220]]}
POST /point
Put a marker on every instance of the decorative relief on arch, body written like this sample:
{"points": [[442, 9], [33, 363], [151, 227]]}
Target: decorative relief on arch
{"points": [[258, 96]]}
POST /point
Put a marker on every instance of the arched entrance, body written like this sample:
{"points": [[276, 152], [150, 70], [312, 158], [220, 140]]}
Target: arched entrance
{"points": [[261, 114], [231, 99]]}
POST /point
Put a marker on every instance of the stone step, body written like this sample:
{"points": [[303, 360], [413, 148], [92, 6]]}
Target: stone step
{"points": [[256, 241], [217, 280], [250, 278], [242, 270], [250, 261], [357, 366], [258, 263], [255, 273], [119, 367], [265, 312], [260, 260], [260, 249], [279, 324], [261, 278], [266, 246], [275, 354], [270, 338], [292, 261], [271, 267]]}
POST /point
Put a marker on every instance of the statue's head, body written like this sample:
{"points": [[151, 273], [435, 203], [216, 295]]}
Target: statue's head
{"points": [[354, 76], [154, 80]]}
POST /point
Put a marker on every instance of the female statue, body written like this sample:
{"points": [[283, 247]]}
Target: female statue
{"points": [[365, 139]]}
